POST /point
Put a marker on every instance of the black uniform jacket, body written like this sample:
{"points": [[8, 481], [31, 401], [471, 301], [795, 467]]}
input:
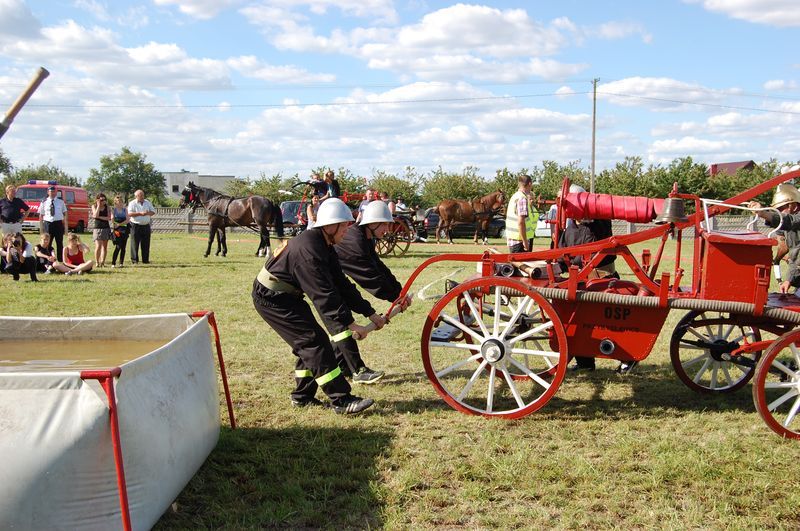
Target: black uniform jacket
{"points": [[587, 232], [361, 263], [311, 265]]}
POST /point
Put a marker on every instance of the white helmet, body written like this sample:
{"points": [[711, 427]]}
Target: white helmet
{"points": [[376, 212], [576, 189], [332, 211]]}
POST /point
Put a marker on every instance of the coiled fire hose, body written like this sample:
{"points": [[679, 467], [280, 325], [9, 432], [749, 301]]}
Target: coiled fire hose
{"points": [[708, 305]]}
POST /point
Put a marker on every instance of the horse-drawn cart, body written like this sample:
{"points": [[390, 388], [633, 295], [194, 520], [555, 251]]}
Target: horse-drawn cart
{"points": [[498, 346]]}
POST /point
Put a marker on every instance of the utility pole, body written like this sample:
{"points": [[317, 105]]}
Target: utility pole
{"points": [[594, 127]]}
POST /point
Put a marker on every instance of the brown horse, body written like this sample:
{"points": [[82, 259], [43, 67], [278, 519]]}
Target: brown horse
{"points": [[480, 211], [226, 211]]}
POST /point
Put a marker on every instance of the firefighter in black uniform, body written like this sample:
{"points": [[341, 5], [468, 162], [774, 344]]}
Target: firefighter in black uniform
{"points": [[588, 231], [309, 265], [361, 263]]}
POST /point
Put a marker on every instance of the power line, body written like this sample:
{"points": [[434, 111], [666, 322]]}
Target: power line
{"points": [[701, 104], [404, 102]]}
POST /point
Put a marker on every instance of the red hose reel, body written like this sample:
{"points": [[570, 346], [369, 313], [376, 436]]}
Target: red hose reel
{"points": [[585, 205]]}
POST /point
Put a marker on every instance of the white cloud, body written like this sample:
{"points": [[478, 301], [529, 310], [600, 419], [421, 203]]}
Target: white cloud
{"points": [[688, 145], [780, 84], [250, 66], [95, 8], [17, 21], [780, 13], [565, 92], [659, 94], [202, 9]]}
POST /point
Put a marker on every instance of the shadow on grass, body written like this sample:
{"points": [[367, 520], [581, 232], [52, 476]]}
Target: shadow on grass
{"points": [[653, 392], [298, 477]]}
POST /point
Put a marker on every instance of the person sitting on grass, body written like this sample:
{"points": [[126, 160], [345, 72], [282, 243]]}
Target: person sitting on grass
{"points": [[19, 257], [74, 262], [45, 254], [361, 263]]}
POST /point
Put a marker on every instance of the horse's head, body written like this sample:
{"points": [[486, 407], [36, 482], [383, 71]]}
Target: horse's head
{"points": [[190, 196], [495, 202]]}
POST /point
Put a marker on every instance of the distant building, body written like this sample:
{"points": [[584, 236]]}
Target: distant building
{"points": [[730, 168], [177, 181]]}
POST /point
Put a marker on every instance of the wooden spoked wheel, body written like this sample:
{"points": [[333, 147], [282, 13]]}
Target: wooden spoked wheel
{"points": [[403, 234], [776, 387], [484, 353], [701, 347], [385, 245]]}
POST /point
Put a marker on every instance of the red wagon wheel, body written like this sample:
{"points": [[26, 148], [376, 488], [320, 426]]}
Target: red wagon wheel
{"points": [[700, 352], [471, 356], [776, 388]]}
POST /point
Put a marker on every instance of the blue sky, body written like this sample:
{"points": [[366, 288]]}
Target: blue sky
{"points": [[243, 87]]}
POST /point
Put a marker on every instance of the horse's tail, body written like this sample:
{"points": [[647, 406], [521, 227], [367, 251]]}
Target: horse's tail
{"points": [[277, 220]]}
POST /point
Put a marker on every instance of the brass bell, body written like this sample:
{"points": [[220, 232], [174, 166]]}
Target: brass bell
{"points": [[674, 211]]}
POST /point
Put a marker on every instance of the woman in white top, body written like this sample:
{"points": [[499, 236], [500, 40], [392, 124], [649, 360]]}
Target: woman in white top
{"points": [[311, 211]]}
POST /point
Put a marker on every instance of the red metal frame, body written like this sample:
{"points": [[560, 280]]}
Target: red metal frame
{"points": [[106, 380], [212, 321]]}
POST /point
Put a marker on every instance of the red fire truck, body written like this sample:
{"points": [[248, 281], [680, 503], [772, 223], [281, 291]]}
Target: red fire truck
{"points": [[77, 200]]}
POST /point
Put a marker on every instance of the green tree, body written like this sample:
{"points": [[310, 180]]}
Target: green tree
{"points": [[506, 180], [44, 172], [5, 167], [446, 185], [124, 173], [395, 186]]}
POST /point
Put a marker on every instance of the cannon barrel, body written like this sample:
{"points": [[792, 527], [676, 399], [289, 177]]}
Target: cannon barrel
{"points": [[23, 98]]}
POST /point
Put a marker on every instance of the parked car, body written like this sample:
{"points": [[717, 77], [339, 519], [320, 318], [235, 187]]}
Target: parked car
{"points": [[497, 227], [542, 227], [294, 217]]}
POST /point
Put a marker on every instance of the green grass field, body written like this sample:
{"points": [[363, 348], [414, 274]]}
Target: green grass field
{"points": [[639, 451]]}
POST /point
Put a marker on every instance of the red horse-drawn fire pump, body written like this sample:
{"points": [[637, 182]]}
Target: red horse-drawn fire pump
{"points": [[498, 343]]}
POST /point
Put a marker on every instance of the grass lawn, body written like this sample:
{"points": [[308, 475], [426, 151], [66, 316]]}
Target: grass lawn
{"points": [[639, 451]]}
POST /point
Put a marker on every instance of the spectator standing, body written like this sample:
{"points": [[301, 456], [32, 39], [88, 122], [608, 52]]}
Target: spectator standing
{"points": [[385, 198], [45, 254], [102, 228], [521, 217], [11, 211], [121, 221], [311, 211], [53, 213], [368, 197], [140, 211], [401, 205]]}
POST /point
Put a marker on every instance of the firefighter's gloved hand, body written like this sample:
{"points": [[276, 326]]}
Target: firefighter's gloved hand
{"points": [[359, 332], [378, 320]]}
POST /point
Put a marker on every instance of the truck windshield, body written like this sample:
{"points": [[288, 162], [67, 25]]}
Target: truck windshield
{"points": [[31, 194]]}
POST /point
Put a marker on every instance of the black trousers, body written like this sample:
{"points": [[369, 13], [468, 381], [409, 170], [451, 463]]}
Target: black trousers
{"points": [[17, 268], [119, 246], [517, 247], [56, 231], [348, 356], [292, 319], [140, 237]]}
